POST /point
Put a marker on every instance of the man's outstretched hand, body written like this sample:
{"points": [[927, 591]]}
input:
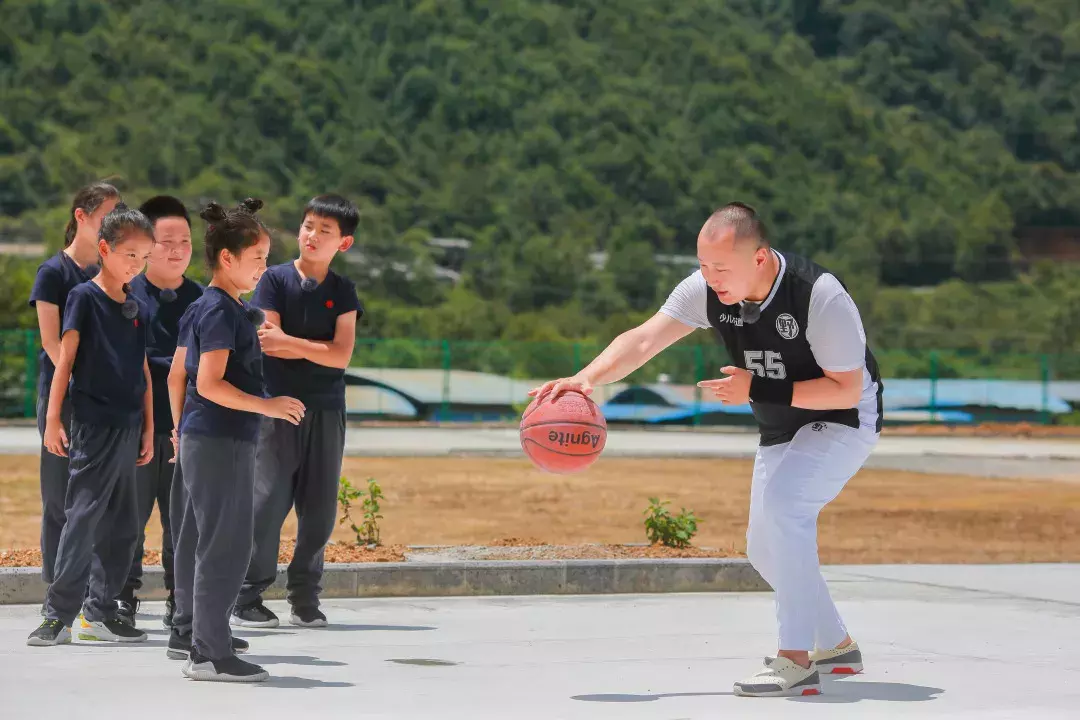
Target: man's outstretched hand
{"points": [[555, 388], [732, 390]]}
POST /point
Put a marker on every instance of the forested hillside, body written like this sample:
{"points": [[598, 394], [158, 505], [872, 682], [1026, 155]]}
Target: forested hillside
{"points": [[900, 143]]}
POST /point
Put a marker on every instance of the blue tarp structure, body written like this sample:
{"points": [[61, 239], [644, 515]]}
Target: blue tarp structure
{"points": [[667, 413], [907, 399], [1003, 394]]}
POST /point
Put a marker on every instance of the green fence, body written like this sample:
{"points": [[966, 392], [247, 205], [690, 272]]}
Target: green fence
{"points": [[682, 364], [532, 360], [686, 364], [18, 372]]}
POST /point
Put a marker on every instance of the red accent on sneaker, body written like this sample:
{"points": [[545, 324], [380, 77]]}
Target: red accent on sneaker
{"points": [[810, 691], [844, 671]]}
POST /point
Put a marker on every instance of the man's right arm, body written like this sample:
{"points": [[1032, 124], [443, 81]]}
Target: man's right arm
{"points": [[683, 313], [634, 348]]}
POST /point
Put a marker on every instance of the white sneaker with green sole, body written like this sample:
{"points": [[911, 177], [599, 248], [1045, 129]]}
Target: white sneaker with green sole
{"points": [[114, 630]]}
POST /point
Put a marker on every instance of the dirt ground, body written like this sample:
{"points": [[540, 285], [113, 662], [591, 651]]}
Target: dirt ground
{"points": [[1006, 430], [882, 516]]}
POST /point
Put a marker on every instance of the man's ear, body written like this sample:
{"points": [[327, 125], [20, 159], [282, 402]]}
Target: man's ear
{"points": [[761, 256]]}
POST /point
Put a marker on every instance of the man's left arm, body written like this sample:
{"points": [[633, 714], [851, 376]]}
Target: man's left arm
{"points": [[835, 391], [835, 333]]}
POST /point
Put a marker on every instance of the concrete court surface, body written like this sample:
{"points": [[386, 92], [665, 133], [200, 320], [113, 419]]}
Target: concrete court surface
{"points": [[982, 642]]}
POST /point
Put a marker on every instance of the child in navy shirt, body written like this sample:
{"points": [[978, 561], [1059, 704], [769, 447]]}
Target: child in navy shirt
{"points": [[311, 315], [103, 355], [219, 363], [73, 265], [167, 294]]}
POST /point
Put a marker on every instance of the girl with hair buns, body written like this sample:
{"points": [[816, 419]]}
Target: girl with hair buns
{"points": [[217, 399]]}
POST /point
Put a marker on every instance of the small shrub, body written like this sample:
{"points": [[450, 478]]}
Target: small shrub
{"points": [[367, 533], [661, 527]]}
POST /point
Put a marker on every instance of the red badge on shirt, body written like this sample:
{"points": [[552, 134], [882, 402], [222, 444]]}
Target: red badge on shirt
{"points": [[330, 304], [136, 322]]}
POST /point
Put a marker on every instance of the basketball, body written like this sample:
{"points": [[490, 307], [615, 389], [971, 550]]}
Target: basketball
{"points": [[564, 436]]}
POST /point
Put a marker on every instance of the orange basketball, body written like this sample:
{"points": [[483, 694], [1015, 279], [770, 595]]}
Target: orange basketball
{"points": [[564, 436]]}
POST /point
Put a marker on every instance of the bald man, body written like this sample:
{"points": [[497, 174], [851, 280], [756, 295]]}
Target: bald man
{"points": [[801, 360]]}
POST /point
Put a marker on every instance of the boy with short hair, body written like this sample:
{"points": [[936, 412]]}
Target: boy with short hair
{"points": [[167, 293], [307, 341]]}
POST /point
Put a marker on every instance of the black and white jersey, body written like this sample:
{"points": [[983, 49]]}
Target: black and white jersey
{"points": [[808, 324]]}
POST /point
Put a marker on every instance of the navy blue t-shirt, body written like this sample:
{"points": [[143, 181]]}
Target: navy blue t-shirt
{"points": [[218, 322], [107, 381], [161, 340], [55, 279], [311, 315]]}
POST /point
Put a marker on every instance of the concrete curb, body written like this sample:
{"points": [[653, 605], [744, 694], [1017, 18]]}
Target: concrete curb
{"points": [[488, 577]]}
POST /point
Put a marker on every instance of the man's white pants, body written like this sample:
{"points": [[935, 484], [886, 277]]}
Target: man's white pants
{"points": [[792, 483]]}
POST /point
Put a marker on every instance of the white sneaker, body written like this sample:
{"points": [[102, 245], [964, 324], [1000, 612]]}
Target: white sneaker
{"points": [[843, 661], [781, 678]]}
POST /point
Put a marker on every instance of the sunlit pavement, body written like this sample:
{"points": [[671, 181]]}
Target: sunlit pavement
{"points": [[939, 641]]}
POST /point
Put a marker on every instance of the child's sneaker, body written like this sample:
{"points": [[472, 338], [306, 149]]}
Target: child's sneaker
{"points": [[253, 616], [126, 609], [170, 610], [309, 617], [49, 632], [839, 661], [231, 669], [781, 678], [180, 646], [112, 630]]}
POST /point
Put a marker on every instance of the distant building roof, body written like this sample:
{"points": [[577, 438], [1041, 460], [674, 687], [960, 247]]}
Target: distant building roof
{"points": [[459, 243], [1010, 394], [375, 400], [599, 260], [1049, 243], [461, 387], [1066, 390], [663, 394], [409, 392], [23, 249]]}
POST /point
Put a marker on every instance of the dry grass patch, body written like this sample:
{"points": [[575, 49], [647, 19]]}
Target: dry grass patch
{"points": [[882, 516]]}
